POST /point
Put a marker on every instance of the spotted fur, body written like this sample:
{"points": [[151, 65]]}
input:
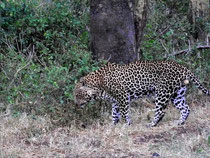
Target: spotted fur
{"points": [[121, 84]]}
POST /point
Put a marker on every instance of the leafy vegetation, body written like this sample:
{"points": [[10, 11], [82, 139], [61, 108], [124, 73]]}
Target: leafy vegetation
{"points": [[169, 31], [44, 50]]}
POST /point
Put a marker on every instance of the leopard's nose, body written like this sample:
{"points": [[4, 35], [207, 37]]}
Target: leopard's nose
{"points": [[82, 105], [76, 103]]}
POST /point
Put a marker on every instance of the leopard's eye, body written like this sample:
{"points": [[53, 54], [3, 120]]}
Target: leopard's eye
{"points": [[87, 97]]}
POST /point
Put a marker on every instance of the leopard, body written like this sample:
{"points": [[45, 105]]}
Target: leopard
{"points": [[121, 84]]}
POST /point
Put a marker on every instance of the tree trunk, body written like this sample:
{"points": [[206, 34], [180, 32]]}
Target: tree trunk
{"points": [[199, 9], [140, 15], [115, 30]]}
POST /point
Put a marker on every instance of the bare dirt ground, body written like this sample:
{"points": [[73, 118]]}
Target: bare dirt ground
{"points": [[26, 137]]}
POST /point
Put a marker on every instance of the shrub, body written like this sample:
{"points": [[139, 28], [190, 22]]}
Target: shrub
{"points": [[44, 51]]}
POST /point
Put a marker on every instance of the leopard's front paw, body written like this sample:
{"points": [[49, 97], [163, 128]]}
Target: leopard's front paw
{"points": [[179, 122], [151, 124]]}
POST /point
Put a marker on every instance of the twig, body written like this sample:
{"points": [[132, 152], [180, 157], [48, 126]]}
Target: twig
{"points": [[8, 43], [164, 31], [31, 53], [15, 75], [5, 73], [189, 49], [181, 51], [203, 47], [199, 47], [164, 46]]}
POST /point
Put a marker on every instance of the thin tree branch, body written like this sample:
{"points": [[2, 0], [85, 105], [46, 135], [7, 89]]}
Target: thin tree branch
{"points": [[29, 60], [203, 47], [190, 48], [199, 47], [164, 46]]}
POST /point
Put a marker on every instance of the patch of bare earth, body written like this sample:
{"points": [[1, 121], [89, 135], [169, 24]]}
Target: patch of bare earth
{"points": [[26, 137]]}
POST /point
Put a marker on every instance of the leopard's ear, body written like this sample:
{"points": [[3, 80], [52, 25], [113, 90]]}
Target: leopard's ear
{"points": [[82, 81]]}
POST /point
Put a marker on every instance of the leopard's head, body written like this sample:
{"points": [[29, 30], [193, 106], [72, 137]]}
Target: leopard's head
{"points": [[83, 94]]}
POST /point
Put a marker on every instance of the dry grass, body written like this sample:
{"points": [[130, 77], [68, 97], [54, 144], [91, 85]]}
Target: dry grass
{"points": [[28, 137]]}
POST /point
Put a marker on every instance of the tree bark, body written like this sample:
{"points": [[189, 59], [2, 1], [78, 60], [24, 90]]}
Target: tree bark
{"points": [[140, 15], [113, 30], [199, 9]]}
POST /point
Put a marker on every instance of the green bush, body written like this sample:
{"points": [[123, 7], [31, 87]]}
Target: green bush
{"points": [[44, 51]]}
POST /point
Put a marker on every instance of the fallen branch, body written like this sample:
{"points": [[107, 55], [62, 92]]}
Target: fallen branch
{"points": [[189, 49], [203, 47]]}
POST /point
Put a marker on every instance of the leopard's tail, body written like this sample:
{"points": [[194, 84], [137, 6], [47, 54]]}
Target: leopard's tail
{"points": [[195, 80]]}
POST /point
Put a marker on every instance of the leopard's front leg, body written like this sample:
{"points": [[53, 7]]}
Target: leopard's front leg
{"points": [[115, 113], [160, 105], [120, 109], [124, 111]]}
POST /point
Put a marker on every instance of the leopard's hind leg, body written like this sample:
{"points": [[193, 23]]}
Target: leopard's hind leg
{"points": [[115, 112], [179, 101]]}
